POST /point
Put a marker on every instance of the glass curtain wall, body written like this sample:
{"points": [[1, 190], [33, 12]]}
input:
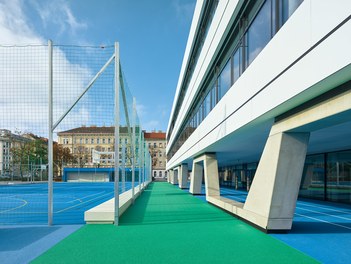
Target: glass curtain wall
{"points": [[327, 177], [265, 21], [339, 177], [312, 182]]}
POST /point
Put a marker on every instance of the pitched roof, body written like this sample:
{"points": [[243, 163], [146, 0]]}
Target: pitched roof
{"points": [[155, 135], [95, 130]]}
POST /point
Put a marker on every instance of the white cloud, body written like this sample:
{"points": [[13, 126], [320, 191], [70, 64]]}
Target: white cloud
{"points": [[184, 10], [24, 76], [14, 28], [59, 14], [151, 125], [141, 110]]}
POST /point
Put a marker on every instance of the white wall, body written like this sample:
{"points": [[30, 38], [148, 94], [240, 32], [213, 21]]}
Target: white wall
{"points": [[321, 69]]}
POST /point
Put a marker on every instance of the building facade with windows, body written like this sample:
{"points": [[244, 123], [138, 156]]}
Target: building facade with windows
{"points": [[156, 142], [8, 142], [263, 103], [83, 142]]}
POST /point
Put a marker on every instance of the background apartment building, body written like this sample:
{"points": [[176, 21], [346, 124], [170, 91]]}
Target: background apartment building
{"points": [[157, 147], [83, 142], [22, 156]]}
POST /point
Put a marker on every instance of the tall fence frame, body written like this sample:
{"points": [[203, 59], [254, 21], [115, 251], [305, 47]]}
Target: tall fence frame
{"points": [[52, 126], [65, 111]]}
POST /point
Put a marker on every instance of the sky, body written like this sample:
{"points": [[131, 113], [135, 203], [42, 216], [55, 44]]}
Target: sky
{"points": [[152, 35]]}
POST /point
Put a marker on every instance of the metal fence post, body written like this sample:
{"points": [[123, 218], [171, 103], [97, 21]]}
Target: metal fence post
{"points": [[116, 183], [133, 149], [50, 141]]}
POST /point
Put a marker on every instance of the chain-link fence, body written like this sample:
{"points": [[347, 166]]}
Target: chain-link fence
{"points": [[59, 110]]}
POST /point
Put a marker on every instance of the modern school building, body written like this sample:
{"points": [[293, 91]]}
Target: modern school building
{"points": [[263, 103]]}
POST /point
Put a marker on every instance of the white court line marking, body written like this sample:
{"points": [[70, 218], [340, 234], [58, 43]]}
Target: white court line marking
{"points": [[20, 206], [81, 203], [94, 194], [322, 207], [320, 220], [345, 218]]}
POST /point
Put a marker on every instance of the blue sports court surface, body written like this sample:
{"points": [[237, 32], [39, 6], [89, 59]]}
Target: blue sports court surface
{"points": [[28, 203], [320, 229]]}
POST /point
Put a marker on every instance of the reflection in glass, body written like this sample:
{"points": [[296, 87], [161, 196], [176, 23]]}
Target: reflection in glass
{"points": [[224, 80], [236, 64], [259, 32], [207, 104], [312, 182], [288, 8], [213, 96], [339, 177]]}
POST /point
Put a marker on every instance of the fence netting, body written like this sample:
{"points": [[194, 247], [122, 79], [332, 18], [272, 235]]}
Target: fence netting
{"points": [[84, 122]]}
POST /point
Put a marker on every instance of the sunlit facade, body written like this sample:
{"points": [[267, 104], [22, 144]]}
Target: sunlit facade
{"points": [[251, 65]]}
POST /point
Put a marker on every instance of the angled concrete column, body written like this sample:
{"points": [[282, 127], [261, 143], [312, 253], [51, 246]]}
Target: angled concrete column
{"points": [[196, 178], [275, 187], [171, 176], [271, 201], [211, 175], [168, 176], [183, 176], [208, 162], [175, 175]]}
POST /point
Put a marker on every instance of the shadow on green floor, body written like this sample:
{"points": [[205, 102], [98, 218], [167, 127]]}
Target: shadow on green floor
{"points": [[167, 225]]}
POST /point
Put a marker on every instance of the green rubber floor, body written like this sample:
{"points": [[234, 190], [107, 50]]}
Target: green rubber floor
{"points": [[167, 225]]}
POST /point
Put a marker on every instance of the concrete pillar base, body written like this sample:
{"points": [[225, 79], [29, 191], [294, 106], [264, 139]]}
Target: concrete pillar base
{"points": [[183, 176]]}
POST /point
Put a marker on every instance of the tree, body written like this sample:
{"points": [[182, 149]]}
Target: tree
{"points": [[27, 153], [61, 156]]}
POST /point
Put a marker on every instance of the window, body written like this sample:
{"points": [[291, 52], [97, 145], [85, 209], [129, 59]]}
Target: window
{"points": [[264, 21], [237, 64], [154, 173], [160, 154], [312, 182], [288, 7], [207, 104], [155, 145], [86, 141], [92, 141], [339, 176], [109, 140], [213, 96], [224, 79], [98, 141], [160, 173], [160, 145], [160, 163], [149, 145], [259, 32], [65, 141], [103, 141], [81, 141]]}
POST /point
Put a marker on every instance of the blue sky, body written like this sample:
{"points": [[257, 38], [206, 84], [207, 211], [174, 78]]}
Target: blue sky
{"points": [[152, 36]]}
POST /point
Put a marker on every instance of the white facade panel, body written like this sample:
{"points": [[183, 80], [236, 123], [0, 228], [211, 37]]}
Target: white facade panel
{"points": [[285, 85], [216, 31]]}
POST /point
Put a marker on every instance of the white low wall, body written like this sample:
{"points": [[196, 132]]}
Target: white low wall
{"points": [[105, 212]]}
